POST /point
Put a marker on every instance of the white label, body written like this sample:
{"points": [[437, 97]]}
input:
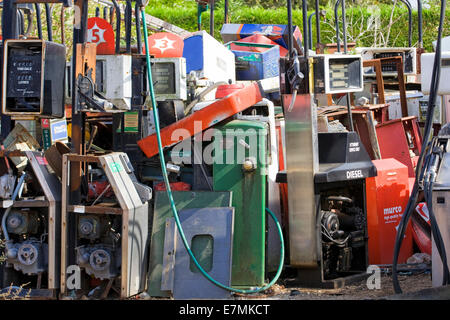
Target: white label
{"points": [[354, 174], [354, 147], [78, 209], [7, 203], [392, 214]]}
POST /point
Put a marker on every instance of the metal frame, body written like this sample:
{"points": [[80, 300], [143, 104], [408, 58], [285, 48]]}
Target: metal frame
{"points": [[130, 206], [52, 192]]}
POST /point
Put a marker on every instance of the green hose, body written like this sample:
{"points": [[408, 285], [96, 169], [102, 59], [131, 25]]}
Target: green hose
{"points": [[170, 196]]}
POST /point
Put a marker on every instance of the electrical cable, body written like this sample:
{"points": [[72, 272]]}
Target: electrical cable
{"points": [[170, 196], [420, 169]]}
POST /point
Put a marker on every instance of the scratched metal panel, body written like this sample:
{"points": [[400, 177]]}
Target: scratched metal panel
{"points": [[214, 222], [134, 224], [168, 256], [162, 211], [51, 186], [302, 163], [137, 243]]}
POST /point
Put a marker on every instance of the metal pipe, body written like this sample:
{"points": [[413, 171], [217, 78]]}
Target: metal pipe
{"points": [[211, 18], [137, 17], [290, 29], [48, 15], [116, 6], [317, 22], [420, 22], [97, 12], [105, 13], [408, 6], [128, 22], [37, 7], [336, 21], [310, 28]]}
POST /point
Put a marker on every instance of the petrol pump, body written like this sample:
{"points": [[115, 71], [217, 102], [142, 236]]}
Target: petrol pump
{"points": [[104, 216], [326, 172], [32, 90]]}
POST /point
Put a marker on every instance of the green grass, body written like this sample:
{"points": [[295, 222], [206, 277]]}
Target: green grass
{"points": [[184, 15]]}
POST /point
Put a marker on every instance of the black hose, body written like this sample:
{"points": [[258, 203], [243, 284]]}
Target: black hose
{"points": [[344, 28], [48, 15], [336, 21], [310, 28], [128, 22], [290, 30], [211, 18], [111, 14], [116, 6], [317, 22], [97, 12], [38, 19], [344, 31], [420, 169], [105, 13], [225, 11], [408, 6], [29, 24], [21, 23], [137, 18], [305, 27], [420, 22]]}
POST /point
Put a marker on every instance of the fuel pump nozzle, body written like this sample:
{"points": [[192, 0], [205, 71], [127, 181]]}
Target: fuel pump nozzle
{"points": [[295, 77]]}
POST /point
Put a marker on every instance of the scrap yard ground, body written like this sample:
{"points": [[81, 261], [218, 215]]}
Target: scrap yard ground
{"points": [[287, 290], [356, 291]]}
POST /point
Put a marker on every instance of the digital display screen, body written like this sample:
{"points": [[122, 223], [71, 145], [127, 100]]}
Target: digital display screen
{"points": [[164, 77]]}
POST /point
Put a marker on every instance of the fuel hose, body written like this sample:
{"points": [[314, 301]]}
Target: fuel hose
{"points": [[422, 169], [170, 196]]}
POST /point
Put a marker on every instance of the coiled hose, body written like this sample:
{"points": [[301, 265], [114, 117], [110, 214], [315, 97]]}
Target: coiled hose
{"points": [[170, 196]]}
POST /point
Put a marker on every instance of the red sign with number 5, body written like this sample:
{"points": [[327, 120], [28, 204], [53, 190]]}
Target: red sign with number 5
{"points": [[101, 33]]}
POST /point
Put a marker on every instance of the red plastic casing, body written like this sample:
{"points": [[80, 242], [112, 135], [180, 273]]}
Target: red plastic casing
{"points": [[387, 196]]}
